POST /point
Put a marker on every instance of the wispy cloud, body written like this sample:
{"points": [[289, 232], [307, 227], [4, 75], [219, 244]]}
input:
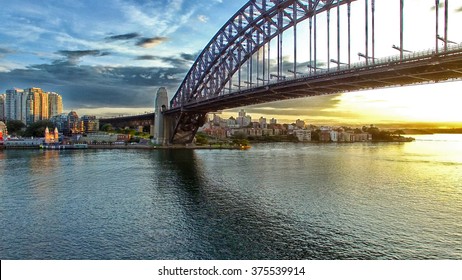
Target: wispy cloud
{"points": [[459, 9], [151, 42], [123, 37], [74, 56], [146, 57], [203, 18], [5, 51], [162, 18]]}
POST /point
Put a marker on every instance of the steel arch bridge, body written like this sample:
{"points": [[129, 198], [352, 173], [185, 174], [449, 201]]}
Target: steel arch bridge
{"points": [[244, 63]]}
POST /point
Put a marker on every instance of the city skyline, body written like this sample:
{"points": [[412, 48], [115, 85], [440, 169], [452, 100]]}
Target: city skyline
{"points": [[111, 63]]}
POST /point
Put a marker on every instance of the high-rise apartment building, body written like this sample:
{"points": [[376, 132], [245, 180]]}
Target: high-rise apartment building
{"points": [[30, 105], [2, 107], [44, 113], [15, 105], [55, 104], [34, 104]]}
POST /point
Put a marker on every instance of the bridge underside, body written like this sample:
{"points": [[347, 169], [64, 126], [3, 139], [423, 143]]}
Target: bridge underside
{"points": [[430, 69]]}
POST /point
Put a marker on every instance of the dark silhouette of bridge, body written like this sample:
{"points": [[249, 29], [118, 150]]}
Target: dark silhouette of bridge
{"points": [[135, 121], [245, 62]]}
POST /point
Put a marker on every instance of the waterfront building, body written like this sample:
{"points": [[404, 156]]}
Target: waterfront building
{"points": [[262, 122], [267, 131], [73, 123], [55, 104], [2, 106], [44, 106], [3, 130], [334, 136], [15, 105], [231, 122], [273, 121], [29, 105], [99, 137], [61, 122], [90, 124], [243, 119], [24, 142], [51, 138], [324, 136], [303, 135], [34, 104]]}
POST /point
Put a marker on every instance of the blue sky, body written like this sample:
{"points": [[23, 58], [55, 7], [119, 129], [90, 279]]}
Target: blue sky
{"points": [[110, 57], [105, 53]]}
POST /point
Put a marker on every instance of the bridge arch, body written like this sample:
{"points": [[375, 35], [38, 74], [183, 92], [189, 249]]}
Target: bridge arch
{"points": [[209, 84], [248, 30]]}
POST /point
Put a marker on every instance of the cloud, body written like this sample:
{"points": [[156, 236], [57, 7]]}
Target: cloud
{"points": [[84, 86], [190, 57], [147, 57], [151, 42], [122, 37], [74, 56], [459, 9], [5, 51], [203, 18]]}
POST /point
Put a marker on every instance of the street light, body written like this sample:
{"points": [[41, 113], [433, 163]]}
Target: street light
{"points": [[338, 63], [294, 72], [279, 77], [445, 41], [400, 49], [366, 57]]}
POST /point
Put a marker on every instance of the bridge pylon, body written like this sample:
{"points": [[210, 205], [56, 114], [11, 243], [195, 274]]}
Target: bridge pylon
{"points": [[161, 125]]}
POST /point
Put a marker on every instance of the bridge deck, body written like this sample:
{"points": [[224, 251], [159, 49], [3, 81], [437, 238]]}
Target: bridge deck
{"points": [[414, 69]]}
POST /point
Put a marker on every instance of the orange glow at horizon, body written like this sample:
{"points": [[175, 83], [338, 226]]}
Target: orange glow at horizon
{"points": [[430, 105]]}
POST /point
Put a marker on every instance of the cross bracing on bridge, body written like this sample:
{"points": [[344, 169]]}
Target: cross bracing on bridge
{"points": [[414, 68], [242, 54], [245, 62]]}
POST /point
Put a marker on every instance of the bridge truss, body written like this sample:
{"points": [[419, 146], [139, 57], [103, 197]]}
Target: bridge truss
{"points": [[239, 66]]}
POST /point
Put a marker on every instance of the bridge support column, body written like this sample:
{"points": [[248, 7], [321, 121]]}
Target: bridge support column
{"points": [[161, 127], [186, 126]]}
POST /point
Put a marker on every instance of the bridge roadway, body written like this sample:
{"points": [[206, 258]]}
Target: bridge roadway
{"points": [[145, 120], [415, 68]]}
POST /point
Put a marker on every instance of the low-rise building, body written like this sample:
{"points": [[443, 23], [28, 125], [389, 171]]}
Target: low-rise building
{"points": [[303, 135], [24, 142]]}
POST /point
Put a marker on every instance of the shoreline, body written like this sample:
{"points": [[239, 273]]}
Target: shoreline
{"points": [[185, 147], [129, 147]]}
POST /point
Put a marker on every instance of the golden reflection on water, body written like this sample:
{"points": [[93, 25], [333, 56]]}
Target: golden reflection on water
{"points": [[448, 150]]}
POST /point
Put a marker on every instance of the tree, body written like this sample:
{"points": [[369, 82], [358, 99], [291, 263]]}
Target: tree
{"points": [[240, 139], [201, 138], [107, 127], [37, 129], [14, 127]]}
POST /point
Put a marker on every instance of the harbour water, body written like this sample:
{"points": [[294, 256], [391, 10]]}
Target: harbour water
{"points": [[273, 201]]}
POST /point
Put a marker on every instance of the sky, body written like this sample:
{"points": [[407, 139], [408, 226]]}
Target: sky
{"points": [[108, 58]]}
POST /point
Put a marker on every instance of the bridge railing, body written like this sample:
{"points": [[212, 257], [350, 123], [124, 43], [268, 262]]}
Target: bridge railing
{"points": [[378, 62]]}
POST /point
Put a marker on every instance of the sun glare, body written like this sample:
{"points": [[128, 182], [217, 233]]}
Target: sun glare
{"points": [[435, 103]]}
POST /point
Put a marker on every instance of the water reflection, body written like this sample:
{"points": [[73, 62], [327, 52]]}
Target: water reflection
{"points": [[274, 201], [232, 224]]}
